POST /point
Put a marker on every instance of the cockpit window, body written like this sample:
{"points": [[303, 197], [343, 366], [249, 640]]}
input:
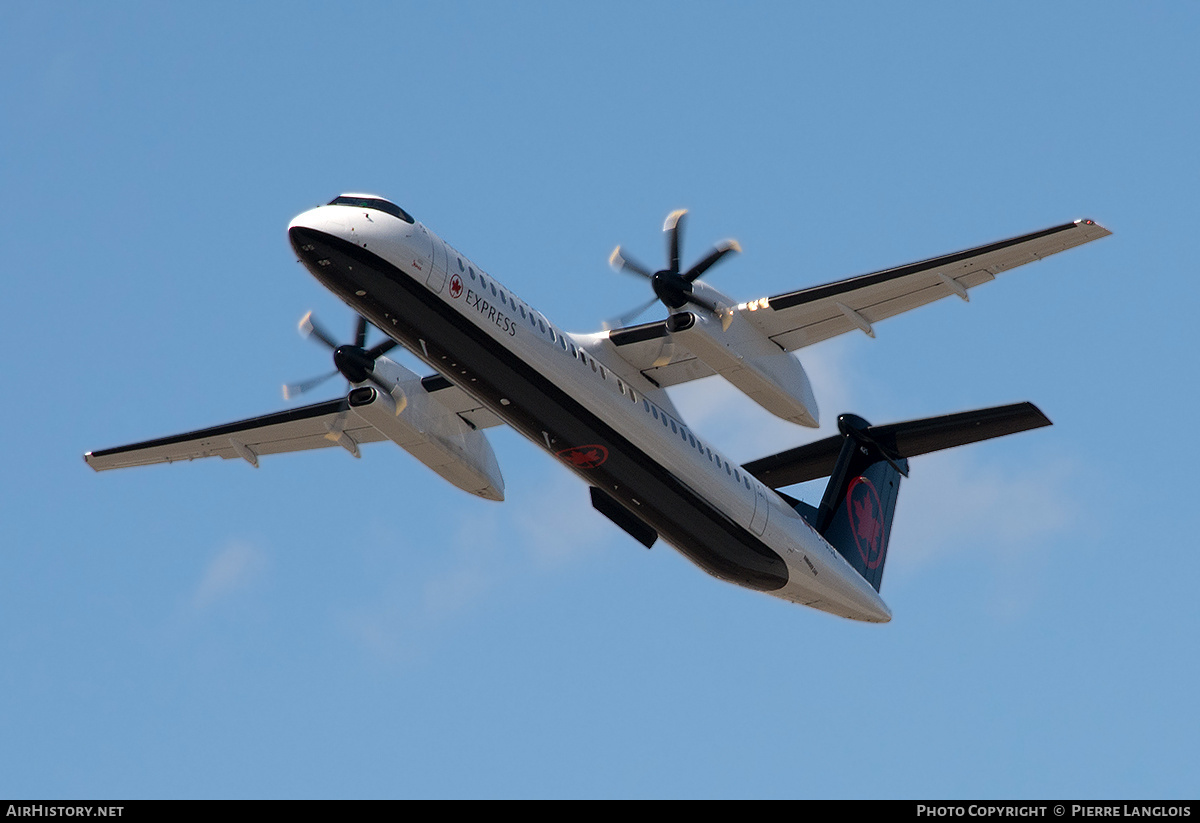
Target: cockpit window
{"points": [[373, 203]]}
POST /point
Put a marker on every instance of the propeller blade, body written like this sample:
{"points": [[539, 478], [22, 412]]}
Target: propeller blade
{"points": [[309, 328], [351, 360], [673, 226], [627, 264], [704, 302], [723, 248], [673, 289], [337, 428], [381, 348], [629, 316], [292, 390]]}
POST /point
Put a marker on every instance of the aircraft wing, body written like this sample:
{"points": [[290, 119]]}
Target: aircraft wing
{"points": [[801, 318], [808, 316], [308, 427]]}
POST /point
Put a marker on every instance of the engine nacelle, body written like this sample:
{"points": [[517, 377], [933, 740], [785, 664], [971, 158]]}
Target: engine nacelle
{"points": [[440, 439], [741, 354]]}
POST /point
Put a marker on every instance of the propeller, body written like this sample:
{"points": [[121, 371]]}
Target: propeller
{"points": [[353, 361], [673, 288]]}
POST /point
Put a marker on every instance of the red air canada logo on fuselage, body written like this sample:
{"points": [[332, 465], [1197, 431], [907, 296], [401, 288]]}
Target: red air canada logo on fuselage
{"points": [[866, 520], [456, 287], [584, 457]]}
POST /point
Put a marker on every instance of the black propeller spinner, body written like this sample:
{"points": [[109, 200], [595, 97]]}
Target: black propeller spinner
{"points": [[672, 287], [353, 361]]}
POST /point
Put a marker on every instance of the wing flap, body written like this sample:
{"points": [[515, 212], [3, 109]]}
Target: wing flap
{"points": [[309, 427]]}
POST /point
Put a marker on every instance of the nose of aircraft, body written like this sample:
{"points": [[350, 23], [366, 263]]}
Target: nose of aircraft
{"points": [[321, 219], [315, 235]]}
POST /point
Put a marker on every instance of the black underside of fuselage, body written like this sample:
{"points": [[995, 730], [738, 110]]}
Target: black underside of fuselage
{"points": [[420, 320]]}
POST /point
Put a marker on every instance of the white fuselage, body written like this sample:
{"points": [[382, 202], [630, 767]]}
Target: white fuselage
{"points": [[574, 396]]}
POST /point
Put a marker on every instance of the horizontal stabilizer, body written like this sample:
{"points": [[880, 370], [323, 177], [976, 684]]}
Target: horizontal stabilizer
{"points": [[898, 440]]}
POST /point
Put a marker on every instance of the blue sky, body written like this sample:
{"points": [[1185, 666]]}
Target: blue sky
{"points": [[337, 628]]}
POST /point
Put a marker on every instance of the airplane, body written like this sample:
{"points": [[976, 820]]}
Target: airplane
{"points": [[598, 402]]}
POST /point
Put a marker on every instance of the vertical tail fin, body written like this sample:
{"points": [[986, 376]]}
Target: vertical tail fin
{"points": [[855, 514], [864, 465]]}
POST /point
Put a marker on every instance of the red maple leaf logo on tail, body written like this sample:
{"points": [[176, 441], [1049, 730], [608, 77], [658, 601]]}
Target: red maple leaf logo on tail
{"points": [[865, 513]]}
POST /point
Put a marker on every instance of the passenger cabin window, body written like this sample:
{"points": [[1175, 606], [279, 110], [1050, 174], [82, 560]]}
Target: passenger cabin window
{"points": [[376, 203]]}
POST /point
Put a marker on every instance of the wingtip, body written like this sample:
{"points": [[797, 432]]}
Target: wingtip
{"points": [[1092, 225]]}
